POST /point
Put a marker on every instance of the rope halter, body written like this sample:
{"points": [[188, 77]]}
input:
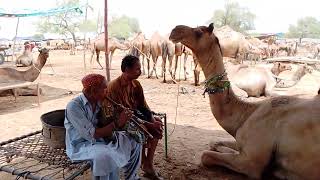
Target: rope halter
{"points": [[216, 84]]}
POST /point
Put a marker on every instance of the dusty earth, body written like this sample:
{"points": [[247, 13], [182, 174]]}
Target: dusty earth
{"points": [[190, 123]]}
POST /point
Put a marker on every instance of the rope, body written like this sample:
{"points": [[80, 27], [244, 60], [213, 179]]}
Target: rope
{"points": [[177, 101]]}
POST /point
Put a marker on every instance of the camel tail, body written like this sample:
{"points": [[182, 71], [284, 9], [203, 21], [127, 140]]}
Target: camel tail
{"points": [[319, 91]]}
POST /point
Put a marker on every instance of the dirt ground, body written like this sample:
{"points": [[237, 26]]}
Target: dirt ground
{"points": [[190, 123]]}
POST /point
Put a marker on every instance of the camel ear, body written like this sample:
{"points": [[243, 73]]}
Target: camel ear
{"points": [[210, 27]]}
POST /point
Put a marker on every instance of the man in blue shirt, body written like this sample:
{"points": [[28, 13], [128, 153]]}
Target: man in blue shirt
{"points": [[85, 141]]}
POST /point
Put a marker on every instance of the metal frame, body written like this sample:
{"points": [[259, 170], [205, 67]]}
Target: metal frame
{"points": [[14, 148]]}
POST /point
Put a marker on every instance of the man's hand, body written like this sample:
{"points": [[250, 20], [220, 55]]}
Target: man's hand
{"points": [[124, 117], [155, 128]]}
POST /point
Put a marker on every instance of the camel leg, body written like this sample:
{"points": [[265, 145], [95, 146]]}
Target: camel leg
{"points": [[92, 54], [164, 61], [239, 162], [111, 55], [175, 67], [170, 67], [143, 70], [224, 146], [185, 67], [153, 60], [196, 77], [148, 67], [98, 61], [154, 67]]}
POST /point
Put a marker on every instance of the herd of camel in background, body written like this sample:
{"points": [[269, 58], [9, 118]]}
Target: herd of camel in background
{"points": [[247, 80], [255, 80]]}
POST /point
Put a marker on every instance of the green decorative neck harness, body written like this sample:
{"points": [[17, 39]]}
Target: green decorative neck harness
{"points": [[215, 84]]}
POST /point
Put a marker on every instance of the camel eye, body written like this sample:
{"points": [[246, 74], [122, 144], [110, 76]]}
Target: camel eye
{"points": [[198, 33]]}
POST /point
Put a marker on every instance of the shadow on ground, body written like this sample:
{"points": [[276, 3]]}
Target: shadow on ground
{"points": [[8, 104]]}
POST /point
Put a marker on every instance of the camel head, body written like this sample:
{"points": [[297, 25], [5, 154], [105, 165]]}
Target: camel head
{"points": [[43, 56], [194, 38], [203, 43], [280, 67]]}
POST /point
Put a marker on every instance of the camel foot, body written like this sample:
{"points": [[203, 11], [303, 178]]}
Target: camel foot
{"points": [[164, 81]]}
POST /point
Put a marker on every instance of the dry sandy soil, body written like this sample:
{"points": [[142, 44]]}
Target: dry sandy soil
{"points": [[191, 124]]}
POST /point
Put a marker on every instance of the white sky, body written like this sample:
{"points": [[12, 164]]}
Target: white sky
{"points": [[163, 15]]}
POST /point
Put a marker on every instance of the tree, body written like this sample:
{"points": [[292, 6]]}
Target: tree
{"points": [[38, 37], [123, 27], [307, 27], [63, 23], [238, 18]]}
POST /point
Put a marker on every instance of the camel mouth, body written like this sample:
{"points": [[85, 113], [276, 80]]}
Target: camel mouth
{"points": [[174, 37], [177, 33]]}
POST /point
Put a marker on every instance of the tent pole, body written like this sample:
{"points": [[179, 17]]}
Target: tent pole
{"points": [[84, 41], [15, 38], [106, 39]]}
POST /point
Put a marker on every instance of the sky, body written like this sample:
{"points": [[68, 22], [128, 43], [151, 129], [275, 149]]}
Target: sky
{"points": [[272, 16]]}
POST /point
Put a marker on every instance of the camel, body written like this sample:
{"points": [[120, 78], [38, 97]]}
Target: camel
{"points": [[278, 67], [26, 59], [257, 81], [251, 81], [233, 44], [316, 51], [113, 44], [141, 46], [167, 52], [156, 51], [179, 50], [279, 135], [31, 74], [299, 73]]}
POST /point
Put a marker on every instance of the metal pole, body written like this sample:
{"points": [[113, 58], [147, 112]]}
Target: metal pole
{"points": [[15, 38], [106, 39], [84, 39], [165, 136]]}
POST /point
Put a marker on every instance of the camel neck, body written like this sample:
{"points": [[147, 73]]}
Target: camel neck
{"points": [[33, 72], [230, 111]]}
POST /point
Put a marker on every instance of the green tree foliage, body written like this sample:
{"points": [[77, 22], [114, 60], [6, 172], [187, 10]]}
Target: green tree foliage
{"points": [[38, 37], [66, 23], [237, 17], [123, 27], [307, 27]]}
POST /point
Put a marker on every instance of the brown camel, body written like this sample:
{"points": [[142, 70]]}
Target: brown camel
{"points": [[113, 44], [278, 135], [156, 51], [141, 44], [31, 74]]}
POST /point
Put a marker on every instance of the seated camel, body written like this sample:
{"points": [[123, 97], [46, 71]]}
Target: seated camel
{"points": [[8, 75], [278, 135]]}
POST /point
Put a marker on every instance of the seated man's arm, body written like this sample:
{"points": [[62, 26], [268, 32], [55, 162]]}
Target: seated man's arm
{"points": [[75, 114]]}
